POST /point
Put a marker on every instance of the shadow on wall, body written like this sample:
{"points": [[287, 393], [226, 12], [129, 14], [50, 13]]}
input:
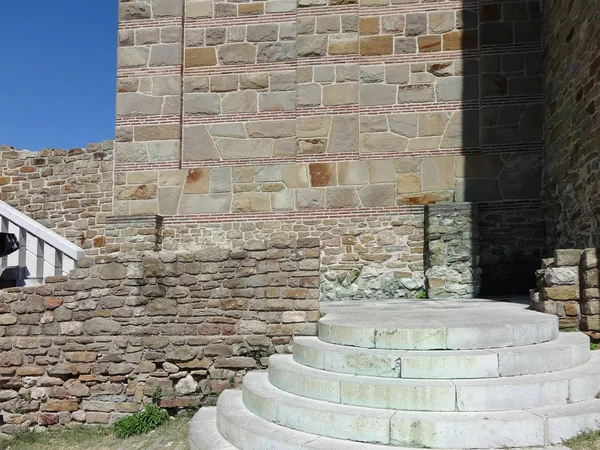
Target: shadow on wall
{"points": [[500, 168]]}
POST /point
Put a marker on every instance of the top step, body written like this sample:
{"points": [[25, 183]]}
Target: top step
{"points": [[435, 325]]}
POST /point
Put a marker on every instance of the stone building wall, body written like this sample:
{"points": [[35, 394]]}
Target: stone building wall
{"points": [[572, 149], [281, 109], [92, 347], [70, 192]]}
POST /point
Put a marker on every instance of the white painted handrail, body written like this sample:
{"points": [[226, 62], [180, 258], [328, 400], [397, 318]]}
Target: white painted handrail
{"points": [[42, 252]]}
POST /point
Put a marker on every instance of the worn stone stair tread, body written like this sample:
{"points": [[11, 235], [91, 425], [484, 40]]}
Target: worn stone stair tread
{"points": [[437, 328], [247, 431], [203, 432], [398, 428], [566, 421], [568, 350], [488, 394], [250, 432]]}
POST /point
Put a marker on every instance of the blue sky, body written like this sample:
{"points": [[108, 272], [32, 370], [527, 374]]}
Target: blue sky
{"points": [[57, 72]]}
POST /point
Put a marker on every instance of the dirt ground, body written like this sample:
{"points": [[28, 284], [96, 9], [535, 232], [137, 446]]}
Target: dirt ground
{"points": [[171, 436]]}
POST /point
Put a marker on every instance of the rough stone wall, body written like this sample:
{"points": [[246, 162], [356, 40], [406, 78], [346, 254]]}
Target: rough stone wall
{"points": [[282, 108], [378, 257], [70, 192], [92, 347], [568, 286], [512, 241], [452, 257], [572, 129]]}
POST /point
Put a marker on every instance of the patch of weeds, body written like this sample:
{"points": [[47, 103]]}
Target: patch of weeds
{"points": [[151, 417], [257, 353], [588, 439], [593, 346], [157, 396], [570, 329], [231, 381], [421, 295], [148, 419]]}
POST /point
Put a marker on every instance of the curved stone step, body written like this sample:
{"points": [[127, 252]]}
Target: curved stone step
{"points": [[569, 350], [250, 432], [445, 327], [247, 431], [488, 394], [398, 428], [203, 433]]}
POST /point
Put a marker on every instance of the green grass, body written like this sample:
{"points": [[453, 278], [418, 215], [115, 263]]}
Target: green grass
{"points": [[172, 435], [148, 419], [588, 440]]}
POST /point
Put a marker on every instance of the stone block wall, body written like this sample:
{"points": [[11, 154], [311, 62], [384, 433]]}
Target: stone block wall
{"points": [[572, 128], [94, 346], [452, 257], [362, 256], [70, 192], [568, 286], [279, 109]]}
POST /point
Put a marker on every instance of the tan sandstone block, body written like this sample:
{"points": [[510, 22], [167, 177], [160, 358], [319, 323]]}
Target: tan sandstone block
{"points": [[460, 40], [341, 197], [340, 94], [157, 132], [433, 124], [376, 45], [199, 57], [295, 176], [438, 173], [309, 127], [430, 43], [369, 25], [561, 293], [322, 174], [381, 171], [247, 9], [353, 172], [343, 44], [197, 181], [408, 183], [251, 201]]}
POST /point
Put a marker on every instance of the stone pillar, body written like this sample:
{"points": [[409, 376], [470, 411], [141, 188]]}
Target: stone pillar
{"points": [[590, 293], [558, 287], [452, 250], [134, 233], [149, 89]]}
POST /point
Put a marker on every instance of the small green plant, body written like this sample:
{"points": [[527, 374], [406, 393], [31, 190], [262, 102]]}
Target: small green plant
{"points": [[148, 419], [593, 346], [421, 294], [257, 353], [156, 396]]}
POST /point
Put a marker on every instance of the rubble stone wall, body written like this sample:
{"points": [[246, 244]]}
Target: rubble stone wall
{"points": [[568, 286], [92, 347], [572, 128], [70, 192]]}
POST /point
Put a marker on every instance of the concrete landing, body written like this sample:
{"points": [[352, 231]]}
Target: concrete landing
{"points": [[432, 325]]}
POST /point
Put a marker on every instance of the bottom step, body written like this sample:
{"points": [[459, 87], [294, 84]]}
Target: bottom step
{"points": [[240, 429]]}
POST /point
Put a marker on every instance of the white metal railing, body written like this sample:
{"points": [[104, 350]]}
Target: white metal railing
{"points": [[42, 252]]}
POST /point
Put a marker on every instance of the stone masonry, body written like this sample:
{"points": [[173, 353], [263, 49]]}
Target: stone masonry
{"points": [[572, 152], [94, 346], [70, 192], [568, 286], [292, 110]]}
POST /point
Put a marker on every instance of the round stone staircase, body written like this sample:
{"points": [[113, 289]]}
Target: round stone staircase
{"points": [[468, 374]]}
